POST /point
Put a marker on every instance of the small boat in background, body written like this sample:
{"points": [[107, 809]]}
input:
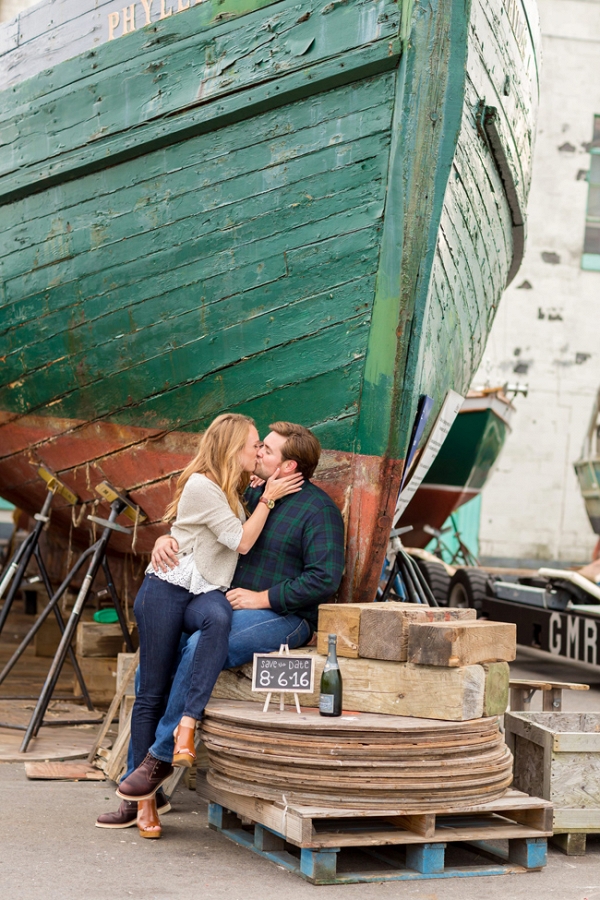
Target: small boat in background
{"points": [[587, 468], [464, 463]]}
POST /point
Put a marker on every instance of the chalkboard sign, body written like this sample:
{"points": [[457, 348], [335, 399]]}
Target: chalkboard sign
{"points": [[286, 674]]}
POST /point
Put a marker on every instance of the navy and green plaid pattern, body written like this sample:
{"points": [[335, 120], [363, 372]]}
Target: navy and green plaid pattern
{"points": [[299, 556]]}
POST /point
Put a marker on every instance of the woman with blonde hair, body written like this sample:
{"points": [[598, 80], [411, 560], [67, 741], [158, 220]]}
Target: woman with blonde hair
{"points": [[211, 529]]}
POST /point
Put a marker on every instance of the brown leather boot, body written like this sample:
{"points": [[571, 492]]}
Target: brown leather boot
{"points": [[148, 822], [144, 782], [126, 815]]}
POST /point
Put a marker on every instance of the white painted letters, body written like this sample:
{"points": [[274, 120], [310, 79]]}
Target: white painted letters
{"points": [[572, 648], [589, 642], [128, 18], [555, 638], [113, 21], [147, 4]]}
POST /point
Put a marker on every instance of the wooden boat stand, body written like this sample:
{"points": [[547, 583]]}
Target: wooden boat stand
{"points": [[402, 566], [16, 568], [96, 554], [310, 841]]}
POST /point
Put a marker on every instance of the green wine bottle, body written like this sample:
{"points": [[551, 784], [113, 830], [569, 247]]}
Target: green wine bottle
{"points": [[330, 699]]}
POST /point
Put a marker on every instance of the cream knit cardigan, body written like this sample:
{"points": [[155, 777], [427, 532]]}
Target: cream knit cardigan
{"points": [[204, 519]]}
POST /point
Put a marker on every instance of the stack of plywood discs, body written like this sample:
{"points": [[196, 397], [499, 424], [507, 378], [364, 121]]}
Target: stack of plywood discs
{"points": [[358, 759], [423, 690]]}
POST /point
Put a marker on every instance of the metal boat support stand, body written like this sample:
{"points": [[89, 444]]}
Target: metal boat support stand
{"points": [[96, 554], [403, 566], [15, 572]]}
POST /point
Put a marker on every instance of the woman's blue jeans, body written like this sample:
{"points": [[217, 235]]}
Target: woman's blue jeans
{"points": [[252, 631], [160, 609]]}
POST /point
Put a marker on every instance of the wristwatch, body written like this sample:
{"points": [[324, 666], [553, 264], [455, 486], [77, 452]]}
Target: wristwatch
{"points": [[268, 503]]}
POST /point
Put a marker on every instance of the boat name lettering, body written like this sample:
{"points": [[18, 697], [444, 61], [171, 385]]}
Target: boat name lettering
{"points": [[137, 15], [574, 637]]}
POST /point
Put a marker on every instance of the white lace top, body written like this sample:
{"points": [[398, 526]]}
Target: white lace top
{"points": [[187, 576]]}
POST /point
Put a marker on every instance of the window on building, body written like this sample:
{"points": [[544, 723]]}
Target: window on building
{"points": [[591, 247]]}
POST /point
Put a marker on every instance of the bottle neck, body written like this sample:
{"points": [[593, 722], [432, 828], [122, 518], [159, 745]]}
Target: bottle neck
{"points": [[332, 654]]}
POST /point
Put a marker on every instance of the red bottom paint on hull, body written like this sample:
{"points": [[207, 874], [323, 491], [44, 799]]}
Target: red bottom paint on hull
{"points": [[144, 463], [431, 505]]}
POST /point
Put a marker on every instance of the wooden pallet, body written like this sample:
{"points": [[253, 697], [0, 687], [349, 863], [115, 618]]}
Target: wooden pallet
{"points": [[386, 845]]}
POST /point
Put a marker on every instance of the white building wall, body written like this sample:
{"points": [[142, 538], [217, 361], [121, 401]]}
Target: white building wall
{"points": [[548, 334], [11, 8]]}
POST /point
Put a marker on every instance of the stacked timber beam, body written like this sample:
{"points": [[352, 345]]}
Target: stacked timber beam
{"points": [[403, 660]]}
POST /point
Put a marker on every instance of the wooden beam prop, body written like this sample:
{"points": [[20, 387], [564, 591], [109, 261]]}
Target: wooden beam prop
{"points": [[450, 694], [378, 630], [461, 643]]}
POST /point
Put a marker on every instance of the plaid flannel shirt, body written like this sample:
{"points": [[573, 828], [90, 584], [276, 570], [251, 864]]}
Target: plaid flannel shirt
{"points": [[299, 556]]}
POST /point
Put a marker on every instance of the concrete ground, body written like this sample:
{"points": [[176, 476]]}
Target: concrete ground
{"points": [[50, 849]]}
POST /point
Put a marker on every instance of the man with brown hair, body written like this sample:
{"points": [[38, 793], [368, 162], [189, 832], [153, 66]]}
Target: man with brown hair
{"points": [[296, 564]]}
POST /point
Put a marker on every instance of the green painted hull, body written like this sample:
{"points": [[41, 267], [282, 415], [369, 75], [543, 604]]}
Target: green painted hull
{"points": [[302, 211]]}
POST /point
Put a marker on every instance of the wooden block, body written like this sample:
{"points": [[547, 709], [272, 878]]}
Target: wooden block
{"points": [[100, 676], [495, 697], [531, 853], [265, 840], [384, 627], [123, 664], [461, 643], [221, 818], [377, 630], [342, 619], [125, 710], [422, 824], [63, 771], [450, 694], [47, 639], [319, 866], [96, 640], [426, 858], [573, 843]]}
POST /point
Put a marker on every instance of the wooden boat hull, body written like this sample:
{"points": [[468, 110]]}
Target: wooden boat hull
{"points": [[292, 211]]}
